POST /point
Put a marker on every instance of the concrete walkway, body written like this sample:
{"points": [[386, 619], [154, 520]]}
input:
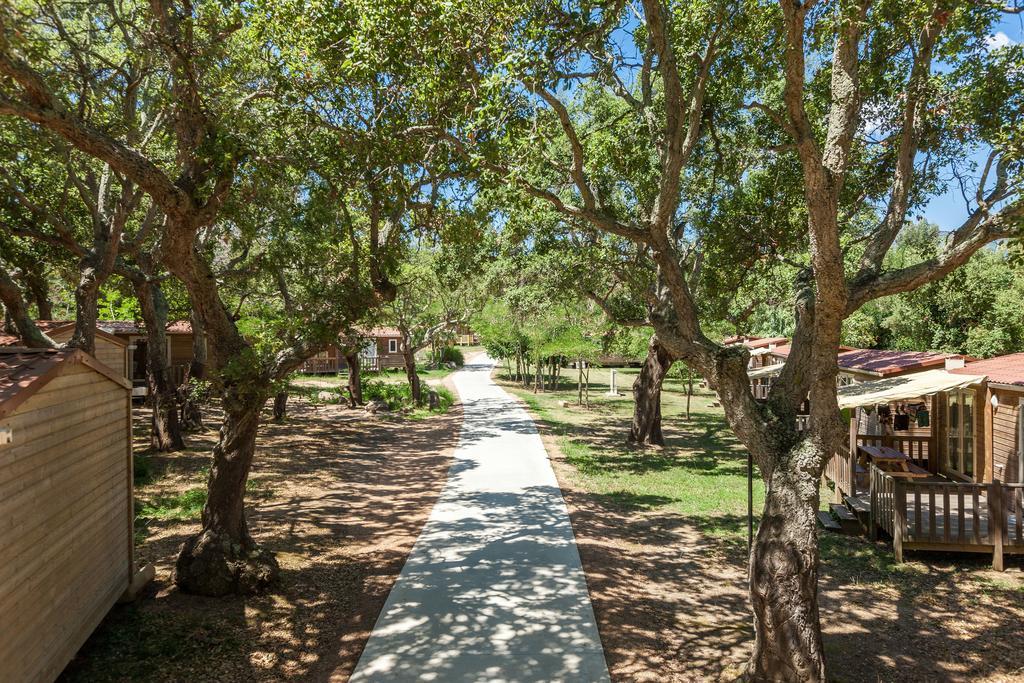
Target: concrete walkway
{"points": [[493, 589]]}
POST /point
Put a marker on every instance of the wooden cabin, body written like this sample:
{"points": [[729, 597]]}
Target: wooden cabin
{"points": [[65, 505], [946, 486], [110, 350], [382, 351], [1000, 437], [133, 334]]}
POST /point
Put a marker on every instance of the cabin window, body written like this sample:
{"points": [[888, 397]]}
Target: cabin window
{"points": [[392, 346], [960, 433]]}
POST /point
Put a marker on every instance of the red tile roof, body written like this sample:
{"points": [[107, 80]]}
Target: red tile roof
{"points": [[882, 362], [132, 327], [24, 371], [1007, 369], [752, 342], [379, 332]]}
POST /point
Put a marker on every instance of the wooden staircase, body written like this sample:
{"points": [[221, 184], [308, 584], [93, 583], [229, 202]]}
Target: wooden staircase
{"points": [[849, 517]]}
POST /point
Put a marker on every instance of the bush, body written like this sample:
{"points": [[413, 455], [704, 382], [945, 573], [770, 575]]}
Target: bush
{"points": [[446, 399], [453, 355], [399, 396], [393, 394]]}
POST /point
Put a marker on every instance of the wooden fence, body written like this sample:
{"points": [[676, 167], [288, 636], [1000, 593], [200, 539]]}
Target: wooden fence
{"points": [[948, 516]]}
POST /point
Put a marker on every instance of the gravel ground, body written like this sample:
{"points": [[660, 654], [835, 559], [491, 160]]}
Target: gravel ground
{"points": [[339, 496], [671, 601]]}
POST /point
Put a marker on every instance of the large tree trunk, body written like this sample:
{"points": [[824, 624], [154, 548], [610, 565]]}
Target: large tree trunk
{"points": [[86, 309], [39, 289], [280, 406], [784, 573], [191, 412], [646, 427], [223, 558], [355, 386], [409, 358], [16, 315], [165, 432]]}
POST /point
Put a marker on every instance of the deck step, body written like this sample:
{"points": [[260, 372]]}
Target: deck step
{"points": [[861, 506], [829, 522], [847, 520]]}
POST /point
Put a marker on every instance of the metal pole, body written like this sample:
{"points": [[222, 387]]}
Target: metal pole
{"points": [[750, 501]]}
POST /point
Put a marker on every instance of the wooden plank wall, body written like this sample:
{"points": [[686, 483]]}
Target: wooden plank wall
{"points": [[114, 356], [181, 349], [65, 521], [1004, 436]]}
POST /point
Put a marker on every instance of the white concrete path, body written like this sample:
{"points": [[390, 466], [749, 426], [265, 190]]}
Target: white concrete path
{"points": [[493, 589]]}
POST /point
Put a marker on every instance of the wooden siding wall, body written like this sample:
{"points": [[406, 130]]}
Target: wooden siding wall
{"points": [[387, 359], [65, 521], [1005, 463], [181, 349], [114, 356]]}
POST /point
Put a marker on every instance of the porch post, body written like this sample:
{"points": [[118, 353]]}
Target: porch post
{"points": [[995, 522], [873, 493], [899, 519], [851, 462]]}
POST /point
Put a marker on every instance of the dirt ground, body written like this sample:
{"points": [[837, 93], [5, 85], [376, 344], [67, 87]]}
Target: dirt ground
{"points": [[671, 602], [340, 497]]}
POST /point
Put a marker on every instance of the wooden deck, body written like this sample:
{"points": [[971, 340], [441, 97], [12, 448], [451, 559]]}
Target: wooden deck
{"points": [[937, 514]]}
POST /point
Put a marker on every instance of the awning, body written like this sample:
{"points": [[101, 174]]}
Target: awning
{"points": [[766, 371], [903, 388], [761, 351]]}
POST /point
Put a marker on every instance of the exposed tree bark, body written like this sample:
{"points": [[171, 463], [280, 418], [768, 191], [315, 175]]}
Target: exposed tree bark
{"points": [[223, 558], [280, 406], [409, 360], [646, 427], [355, 385], [17, 310], [784, 573], [165, 433], [39, 289]]}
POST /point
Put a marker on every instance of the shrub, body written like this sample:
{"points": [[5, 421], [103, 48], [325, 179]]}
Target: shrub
{"points": [[399, 396], [452, 354], [393, 394], [446, 399]]}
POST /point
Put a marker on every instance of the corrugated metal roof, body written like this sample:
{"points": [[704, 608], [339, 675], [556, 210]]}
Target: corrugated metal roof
{"points": [[882, 362], [1008, 369]]}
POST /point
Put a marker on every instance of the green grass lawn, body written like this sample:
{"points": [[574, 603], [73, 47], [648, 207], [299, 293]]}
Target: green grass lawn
{"points": [[700, 473]]}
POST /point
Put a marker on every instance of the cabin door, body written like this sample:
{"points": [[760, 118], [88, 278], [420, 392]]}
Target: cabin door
{"points": [[960, 433], [139, 362]]}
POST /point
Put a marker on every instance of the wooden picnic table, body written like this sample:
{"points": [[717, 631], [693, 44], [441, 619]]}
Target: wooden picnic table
{"points": [[892, 462]]}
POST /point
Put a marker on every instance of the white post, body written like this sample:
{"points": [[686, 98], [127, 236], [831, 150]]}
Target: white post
{"points": [[613, 390]]}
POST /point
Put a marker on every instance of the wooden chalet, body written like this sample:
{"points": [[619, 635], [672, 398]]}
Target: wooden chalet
{"points": [[381, 351], [65, 505], [933, 457], [133, 334]]}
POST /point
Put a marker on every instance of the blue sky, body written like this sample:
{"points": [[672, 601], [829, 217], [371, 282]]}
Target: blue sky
{"points": [[948, 211]]}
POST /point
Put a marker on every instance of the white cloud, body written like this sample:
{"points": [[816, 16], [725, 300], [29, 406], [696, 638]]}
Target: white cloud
{"points": [[998, 40]]}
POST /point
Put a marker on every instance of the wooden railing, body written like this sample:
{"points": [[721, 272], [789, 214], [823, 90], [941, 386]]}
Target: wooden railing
{"points": [[917, 448], [315, 366], [948, 516], [841, 470], [883, 502]]}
